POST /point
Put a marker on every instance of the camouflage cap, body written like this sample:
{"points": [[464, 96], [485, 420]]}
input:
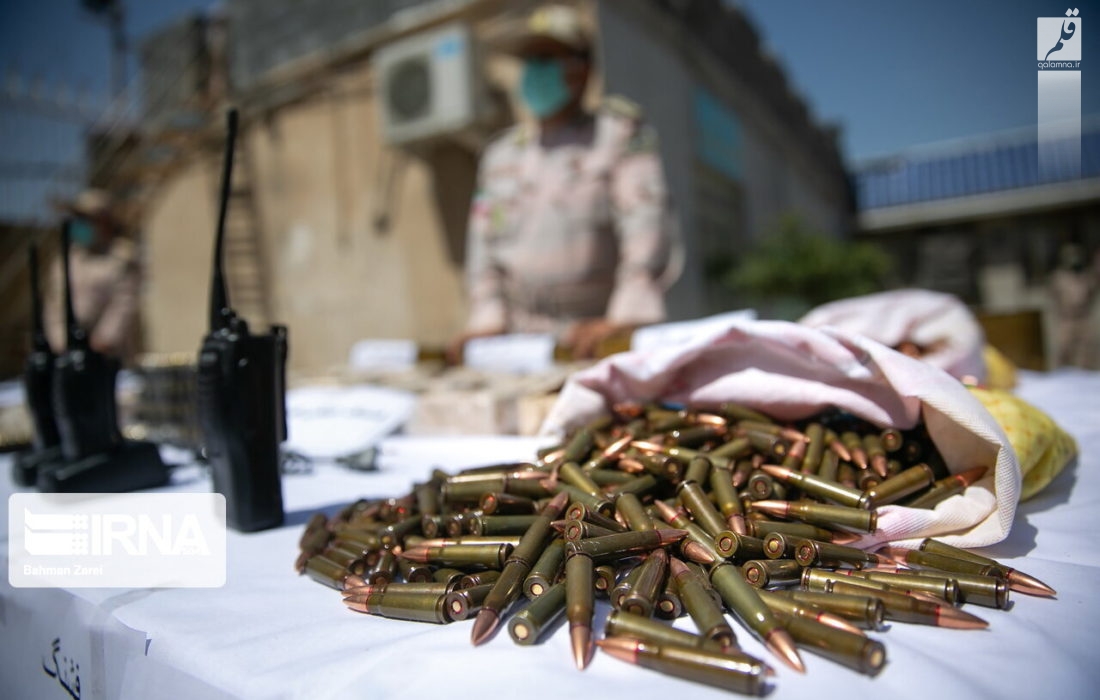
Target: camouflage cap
{"points": [[92, 203], [549, 25]]}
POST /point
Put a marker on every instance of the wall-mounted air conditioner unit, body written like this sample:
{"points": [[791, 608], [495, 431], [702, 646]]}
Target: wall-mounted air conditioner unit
{"points": [[428, 85]]}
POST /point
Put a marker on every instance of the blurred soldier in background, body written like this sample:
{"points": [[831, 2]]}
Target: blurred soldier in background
{"points": [[105, 278], [570, 231], [1073, 289]]}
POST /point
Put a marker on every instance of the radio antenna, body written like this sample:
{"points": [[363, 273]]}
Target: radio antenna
{"points": [[219, 294], [75, 335], [38, 328]]}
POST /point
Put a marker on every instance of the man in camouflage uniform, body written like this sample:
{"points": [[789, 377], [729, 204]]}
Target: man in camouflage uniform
{"points": [[1074, 286], [105, 277], [570, 231]]}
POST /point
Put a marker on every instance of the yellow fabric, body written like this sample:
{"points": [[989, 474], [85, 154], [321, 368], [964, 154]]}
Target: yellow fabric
{"points": [[999, 370], [1043, 448]]}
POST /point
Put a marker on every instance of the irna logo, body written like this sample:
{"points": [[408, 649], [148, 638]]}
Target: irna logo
{"points": [[63, 534], [134, 540]]}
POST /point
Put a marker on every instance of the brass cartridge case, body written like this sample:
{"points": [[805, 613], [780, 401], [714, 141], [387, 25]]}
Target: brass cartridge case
{"points": [[767, 573], [904, 484], [537, 618]]}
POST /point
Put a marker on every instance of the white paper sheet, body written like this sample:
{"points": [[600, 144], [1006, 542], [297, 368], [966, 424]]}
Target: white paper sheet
{"points": [[521, 353], [271, 634], [327, 422]]}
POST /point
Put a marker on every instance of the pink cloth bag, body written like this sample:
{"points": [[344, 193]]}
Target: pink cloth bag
{"points": [[941, 323], [791, 372]]}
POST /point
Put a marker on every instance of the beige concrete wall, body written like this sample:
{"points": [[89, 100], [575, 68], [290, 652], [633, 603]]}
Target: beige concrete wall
{"points": [[325, 179], [321, 174], [178, 233]]}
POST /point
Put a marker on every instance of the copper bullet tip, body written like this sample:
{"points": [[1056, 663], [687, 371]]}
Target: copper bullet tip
{"points": [[417, 554], [665, 510], [737, 524], [711, 419], [971, 476], [353, 581], [677, 567], [793, 435], [582, 646], [484, 625], [841, 451], [896, 553], [669, 535], [959, 619], [559, 501], [798, 449], [845, 538], [1023, 583], [860, 458], [780, 644], [878, 463], [528, 474], [619, 647], [558, 525], [628, 409], [837, 622], [646, 446], [777, 508], [618, 446], [552, 457], [775, 470], [698, 553], [357, 603], [886, 562]]}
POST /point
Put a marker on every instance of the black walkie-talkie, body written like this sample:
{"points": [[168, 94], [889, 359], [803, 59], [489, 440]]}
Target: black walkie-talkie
{"points": [[37, 387], [83, 383], [94, 457], [241, 395], [38, 375]]}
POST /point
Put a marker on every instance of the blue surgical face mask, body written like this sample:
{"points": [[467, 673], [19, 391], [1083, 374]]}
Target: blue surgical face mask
{"points": [[81, 232], [543, 87]]}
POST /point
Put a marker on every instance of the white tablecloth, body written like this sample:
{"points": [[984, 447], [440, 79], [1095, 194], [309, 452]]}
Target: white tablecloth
{"points": [[270, 633]]}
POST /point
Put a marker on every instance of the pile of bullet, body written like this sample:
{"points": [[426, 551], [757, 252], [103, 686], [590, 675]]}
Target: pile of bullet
{"points": [[669, 512], [164, 410]]}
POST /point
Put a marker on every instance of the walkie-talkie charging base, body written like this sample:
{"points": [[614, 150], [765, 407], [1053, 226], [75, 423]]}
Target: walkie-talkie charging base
{"points": [[71, 396], [132, 466], [45, 450], [28, 464]]}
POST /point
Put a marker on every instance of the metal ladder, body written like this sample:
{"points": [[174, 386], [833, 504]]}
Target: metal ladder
{"points": [[245, 259]]}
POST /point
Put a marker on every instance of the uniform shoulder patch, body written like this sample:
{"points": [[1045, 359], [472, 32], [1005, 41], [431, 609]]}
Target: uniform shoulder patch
{"points": [[623, 107], [643, 137], [644, 140]]}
